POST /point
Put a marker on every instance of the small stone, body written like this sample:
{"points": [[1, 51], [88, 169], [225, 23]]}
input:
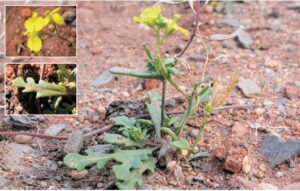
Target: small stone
{"points": [[209, 9], [100, 148], [292, 92], [77, 175], [101, 110], [171, 166], [69, 17], [150, 84], [279, 174], [23, 139], [266, 186], [125, 94], [233, 165], [292, 186], [145, 187], [239, 129], [229, 44], [244, 39], [231, 22], [278, 150], [246, 167], [55, 129], [178, 172], [198, 178], [267, 103], [194, 133], [104, 78], [26, 12], [249, 88], [271, 63], [21, 121], [74, 142], [3, 181], [170, 103], [259, 174], [259, 111], [96, 49]]}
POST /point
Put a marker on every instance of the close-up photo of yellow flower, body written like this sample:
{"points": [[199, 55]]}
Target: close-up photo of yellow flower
{"points": [[48, 31]]}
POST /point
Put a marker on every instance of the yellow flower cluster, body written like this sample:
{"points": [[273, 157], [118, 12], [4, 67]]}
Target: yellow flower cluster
{"points": [[152, 17], [35, 24]]}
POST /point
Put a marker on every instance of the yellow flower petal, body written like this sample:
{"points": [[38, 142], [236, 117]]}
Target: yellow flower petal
{"points": [[182, 30], [34, 43], [55, 10], [58, 19]]}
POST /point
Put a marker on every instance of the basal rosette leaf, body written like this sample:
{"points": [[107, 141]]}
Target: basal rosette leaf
{"points": [[121, 140]]}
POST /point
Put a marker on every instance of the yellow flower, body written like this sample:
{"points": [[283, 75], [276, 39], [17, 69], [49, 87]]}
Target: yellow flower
{"points": [[149, 16], [172, 26], [33, 26], [55, 17]]}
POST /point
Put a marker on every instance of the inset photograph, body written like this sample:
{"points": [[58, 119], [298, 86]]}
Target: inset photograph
{"points": [[40, 31], [40, 89]]}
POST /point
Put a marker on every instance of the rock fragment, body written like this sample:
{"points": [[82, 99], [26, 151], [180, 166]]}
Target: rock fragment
{"points": [[249, 88], [74, 142], [55, 129]]}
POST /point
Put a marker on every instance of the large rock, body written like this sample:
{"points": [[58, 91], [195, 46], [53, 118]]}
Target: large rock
{"points": [[278, 150], [249, 88]]}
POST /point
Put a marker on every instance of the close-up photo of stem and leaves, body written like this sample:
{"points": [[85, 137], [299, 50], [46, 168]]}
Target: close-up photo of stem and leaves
{"points": [[189, 95], [40, 89], [41, 31]]}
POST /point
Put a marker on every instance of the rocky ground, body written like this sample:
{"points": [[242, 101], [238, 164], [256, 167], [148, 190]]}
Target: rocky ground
{"points": [[255, 148]]}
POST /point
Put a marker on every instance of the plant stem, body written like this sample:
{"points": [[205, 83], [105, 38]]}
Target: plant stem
{"points": [[164, 86], [57, 36], [15, 133], [204, 121], [171, 81], [169, 132]]}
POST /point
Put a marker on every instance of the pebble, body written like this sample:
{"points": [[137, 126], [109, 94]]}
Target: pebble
{"points": [[239, 129], [77, 175], [55, 129], [3, 181], [232, 164], [171, 166], [101, 110], [244, 39], [26, 12], [104, 78], [145, 187], [271, 63], [21, 121], [198, 178], [266, 186], [69, 17], [278, 150], [292, 92], [23, 139], [229, 44], [74, 142], [267, 103], [170, 103], [259, 111], [279, 174], [246, 167], [231, 22], [194, 133], [249, 88]]}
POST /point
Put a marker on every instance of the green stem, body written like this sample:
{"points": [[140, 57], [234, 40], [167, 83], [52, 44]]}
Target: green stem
{"points": [[164, 86], [204, 121], [57, 36], [169, 132], [171, 81]]}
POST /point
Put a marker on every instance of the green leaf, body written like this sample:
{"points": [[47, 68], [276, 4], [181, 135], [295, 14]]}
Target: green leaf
{"points": [[19, 82], [134, 73], [57, 101], [205, 94], [80, 162], [120, 140], [154, 109], [128, 174], [43, 89], [133, 179], [181, 144], [124, 121]]}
